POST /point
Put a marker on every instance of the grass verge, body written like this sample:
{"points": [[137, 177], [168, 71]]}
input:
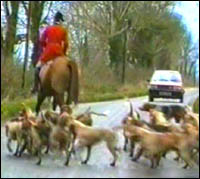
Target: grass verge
{"points": [[11, 108], [196, 106]]}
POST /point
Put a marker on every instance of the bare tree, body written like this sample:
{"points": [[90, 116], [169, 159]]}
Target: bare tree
{"points": [[27, 43], [10, 36], [36, 18]]}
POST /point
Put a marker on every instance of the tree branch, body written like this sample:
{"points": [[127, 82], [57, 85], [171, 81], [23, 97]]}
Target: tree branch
{"points": [[2, 39], [49, 9], [125, 10], [119, 32], [95, 24], [5, 4], [26, 9]]}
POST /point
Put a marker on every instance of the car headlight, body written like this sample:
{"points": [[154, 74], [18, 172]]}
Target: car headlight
{"points": [[154, 87], [177, 88]]}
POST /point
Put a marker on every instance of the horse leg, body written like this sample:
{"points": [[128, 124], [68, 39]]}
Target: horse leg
{"points": [[69, 97], [41, 98], [54, 103], [68, 100], [60, 99]]}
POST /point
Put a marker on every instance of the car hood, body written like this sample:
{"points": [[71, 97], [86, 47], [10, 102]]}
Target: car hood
{"points": [[167, 83]]}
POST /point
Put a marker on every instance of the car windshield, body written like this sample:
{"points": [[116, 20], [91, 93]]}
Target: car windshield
{"points": [[166, 76]]}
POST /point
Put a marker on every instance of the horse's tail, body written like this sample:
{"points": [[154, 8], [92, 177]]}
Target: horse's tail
{"points": [[74, 81]]}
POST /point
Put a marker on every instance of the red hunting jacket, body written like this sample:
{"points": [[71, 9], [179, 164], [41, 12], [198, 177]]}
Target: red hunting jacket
{"points": [[54, 43]]}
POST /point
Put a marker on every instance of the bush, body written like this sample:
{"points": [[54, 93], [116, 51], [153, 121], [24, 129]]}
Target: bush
{"points": [[11, 80], [99, 83]]}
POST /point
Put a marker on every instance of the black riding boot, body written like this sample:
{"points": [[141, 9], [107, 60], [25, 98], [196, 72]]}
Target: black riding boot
{"points": [[36, 80]]}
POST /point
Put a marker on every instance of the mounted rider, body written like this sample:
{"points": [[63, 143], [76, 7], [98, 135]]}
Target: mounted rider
{"points": [[52, 43]]}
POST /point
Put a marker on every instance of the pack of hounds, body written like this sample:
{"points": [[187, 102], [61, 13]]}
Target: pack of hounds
{"points": [[170, 130]]}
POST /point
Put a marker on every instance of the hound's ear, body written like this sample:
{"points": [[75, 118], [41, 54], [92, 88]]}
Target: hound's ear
{"points": [[43, 116], [32, 123], [138, 115]]}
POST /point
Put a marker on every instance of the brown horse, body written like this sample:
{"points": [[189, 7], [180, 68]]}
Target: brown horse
{"points": [[56, 78]]}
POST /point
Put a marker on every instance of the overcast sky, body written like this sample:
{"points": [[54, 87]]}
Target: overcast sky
{"points": [[190, 13]]}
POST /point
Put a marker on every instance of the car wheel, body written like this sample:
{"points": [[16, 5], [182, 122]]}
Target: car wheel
{"points": [[150, 98]]}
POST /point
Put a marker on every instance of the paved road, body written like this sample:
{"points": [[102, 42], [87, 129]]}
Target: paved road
{"points": [[98, 165]]}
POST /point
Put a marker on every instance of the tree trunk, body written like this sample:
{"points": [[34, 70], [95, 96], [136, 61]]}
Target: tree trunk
{"points": [[124, 58], [27, 45], [85, 54], [190, 69], [11, 29], [115, 52], [194, 76], [181, 67], [2, 56], [36, 15], [2, 47], [185, 66], [36, 6]]}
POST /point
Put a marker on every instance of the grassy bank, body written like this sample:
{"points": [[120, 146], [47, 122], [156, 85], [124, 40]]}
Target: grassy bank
{"points": [[11, 108], [196, 106]]}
